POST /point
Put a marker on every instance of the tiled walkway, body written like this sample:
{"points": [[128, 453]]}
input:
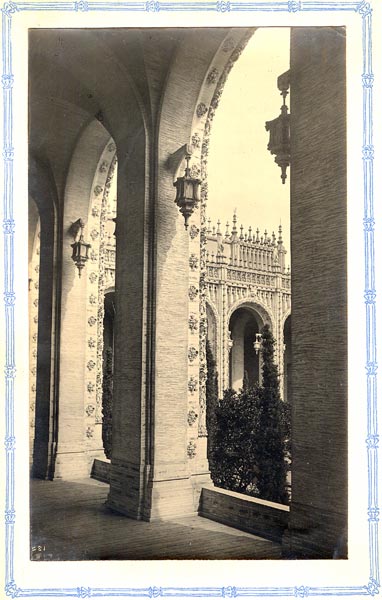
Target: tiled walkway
{"points": [[69, 521]]}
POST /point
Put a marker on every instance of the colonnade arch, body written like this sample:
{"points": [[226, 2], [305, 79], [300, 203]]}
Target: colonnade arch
{"points": [[159, 264]]}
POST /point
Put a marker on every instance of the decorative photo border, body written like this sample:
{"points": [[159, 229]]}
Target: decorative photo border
{"points": [[10, 11]]}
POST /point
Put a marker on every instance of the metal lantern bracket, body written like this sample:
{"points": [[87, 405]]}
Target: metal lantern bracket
{"points": [[80, 254]]}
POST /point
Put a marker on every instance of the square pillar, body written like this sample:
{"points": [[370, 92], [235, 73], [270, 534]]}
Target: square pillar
{"points": [[318, 517]]}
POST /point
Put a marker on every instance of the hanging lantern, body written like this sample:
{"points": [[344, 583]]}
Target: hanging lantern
{"points": [[80, 253], [187, 192], [257, 343], [279, 130]]}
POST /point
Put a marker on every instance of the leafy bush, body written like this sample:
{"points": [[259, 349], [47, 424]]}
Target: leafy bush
{"points": [[250, 433]]}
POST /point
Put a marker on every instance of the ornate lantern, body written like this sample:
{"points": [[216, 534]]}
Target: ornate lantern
{"points": [[279, 130], [187, 192], [257, 343], [80, 252]]}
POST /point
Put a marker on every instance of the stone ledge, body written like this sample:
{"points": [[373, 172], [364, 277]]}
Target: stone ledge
{"points": [[260, 517]]}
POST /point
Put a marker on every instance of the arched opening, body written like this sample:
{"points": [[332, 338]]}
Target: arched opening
{"points": [[244, 362]]}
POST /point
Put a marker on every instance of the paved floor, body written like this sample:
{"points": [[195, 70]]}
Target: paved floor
{"points": [[69, 521]]}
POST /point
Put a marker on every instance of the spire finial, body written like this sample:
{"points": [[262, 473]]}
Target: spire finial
{"points": [[234, 221], [218, 228], [250, 234], [280, 240], [209, 226], [227, 230], [241, 232]]}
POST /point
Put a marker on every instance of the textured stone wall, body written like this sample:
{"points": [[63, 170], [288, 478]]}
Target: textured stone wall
{"points": [[254, 515], [319, 312]]}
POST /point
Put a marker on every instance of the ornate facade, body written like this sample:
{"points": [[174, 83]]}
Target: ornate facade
{"points": [[247, 286]]}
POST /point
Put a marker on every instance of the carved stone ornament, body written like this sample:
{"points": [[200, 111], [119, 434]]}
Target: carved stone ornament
{"points": [[89, 432], [193, 231], [90, 365], [195, 172], [98, 190], [193, 262], [192, 292], [35, 319], [94, 234], [213, 75], [92, 299], [192, 353], [192, 385], [93, 277], [103, 166], [202, 375], [191, 449], [201, 110], [92, 321], [195, 140], [34, 337], [35, 302], [203, 326], [91, 342], [95, 211], [228, 45], [90, 410], [191, 417], [193, 324], [93, 256], [90, 387], [111, 147]]}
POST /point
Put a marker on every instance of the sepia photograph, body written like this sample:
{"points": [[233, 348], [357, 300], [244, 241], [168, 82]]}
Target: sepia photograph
{"points": [[183, 394], [190, 287]]}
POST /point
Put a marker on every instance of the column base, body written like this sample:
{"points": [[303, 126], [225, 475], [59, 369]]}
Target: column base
{"points": [[72, 465], [133, 493]]}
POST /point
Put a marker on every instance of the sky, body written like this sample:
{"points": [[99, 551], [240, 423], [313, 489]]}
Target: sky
{"points": [[242, 173]]}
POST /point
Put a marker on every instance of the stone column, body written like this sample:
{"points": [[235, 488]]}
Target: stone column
{"points": [[319, 336]]}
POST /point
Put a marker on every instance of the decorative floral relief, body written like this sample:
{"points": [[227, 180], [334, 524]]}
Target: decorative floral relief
{"points": [[205, 147], [98, 190], [203, 326], [92, 299], [36, 285], [93, 256], [90, 365], [201, 110], [94, 234], [195, 172], [91, 342], [34, 337], [192, 353], [35, 302], [193, 262], [93, 277], [202, 375], [192, 385], [103, 166], [90, 410], [192, 292], [92, 321], [195, 140], [213, 75], [34, 371], [90, 387], [89, 432], [111, 147], [35, 319], [191, 449], [193, 231], [193, 324], [95, 211], [192, 416]]}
